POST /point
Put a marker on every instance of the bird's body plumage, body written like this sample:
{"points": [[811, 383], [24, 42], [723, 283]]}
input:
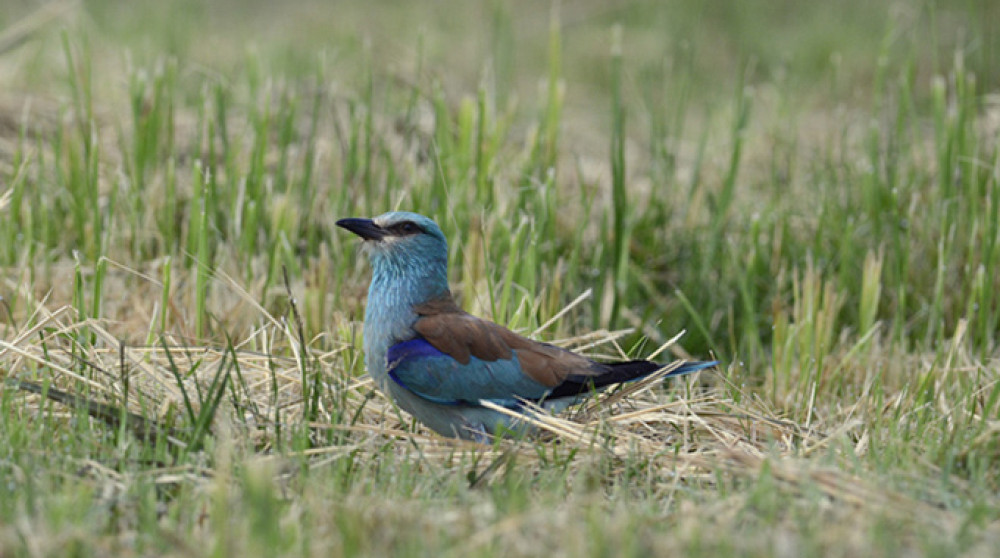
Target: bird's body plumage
{"points": [[440, 363]]}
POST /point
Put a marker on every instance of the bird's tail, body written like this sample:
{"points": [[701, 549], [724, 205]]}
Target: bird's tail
{"points": [[690, 366], [637, 369], [622, 372]]}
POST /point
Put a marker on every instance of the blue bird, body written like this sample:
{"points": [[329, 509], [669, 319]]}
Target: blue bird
{"points": [[440, 363]]}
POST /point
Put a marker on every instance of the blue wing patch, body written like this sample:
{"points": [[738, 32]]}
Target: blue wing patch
{"points": [[414, 348], [419, 367]]}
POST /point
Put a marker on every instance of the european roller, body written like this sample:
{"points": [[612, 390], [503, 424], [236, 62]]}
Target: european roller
{"points": [[440, 363]]}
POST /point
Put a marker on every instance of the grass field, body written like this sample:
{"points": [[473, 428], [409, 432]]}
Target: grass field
{"points": [[810, 191]]}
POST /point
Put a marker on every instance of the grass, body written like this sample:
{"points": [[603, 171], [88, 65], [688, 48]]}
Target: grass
{"points": [[812, 198]]}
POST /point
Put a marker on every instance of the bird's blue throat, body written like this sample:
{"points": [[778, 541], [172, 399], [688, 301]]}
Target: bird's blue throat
{"points": [[400, 281]]}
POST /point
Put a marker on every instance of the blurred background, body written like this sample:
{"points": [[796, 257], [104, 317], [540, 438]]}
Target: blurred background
{"points": [[685, 160]]}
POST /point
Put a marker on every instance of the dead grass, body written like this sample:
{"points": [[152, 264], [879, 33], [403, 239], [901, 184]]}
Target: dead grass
{"points": [[686, 433]]}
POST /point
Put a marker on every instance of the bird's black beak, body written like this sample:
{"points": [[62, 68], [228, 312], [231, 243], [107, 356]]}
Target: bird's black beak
{"points": [[365, 228]]}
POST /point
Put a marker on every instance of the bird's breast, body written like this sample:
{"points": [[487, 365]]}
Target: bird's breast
{"points": [[387, 322]]}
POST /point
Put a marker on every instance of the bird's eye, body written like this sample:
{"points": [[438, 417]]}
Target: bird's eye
{"points": [[404, 228]]}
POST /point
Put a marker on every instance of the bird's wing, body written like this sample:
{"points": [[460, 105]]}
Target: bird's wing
{"points": [[421, 368], [458, 357], [464, 337]]}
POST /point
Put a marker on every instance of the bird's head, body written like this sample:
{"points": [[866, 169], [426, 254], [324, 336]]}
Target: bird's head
{"points": [[403, 243]]}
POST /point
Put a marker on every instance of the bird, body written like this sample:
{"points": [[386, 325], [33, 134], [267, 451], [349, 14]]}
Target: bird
{"points": [[445, 366]]}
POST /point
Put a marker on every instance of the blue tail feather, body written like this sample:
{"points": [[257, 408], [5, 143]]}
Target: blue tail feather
{"points": [[693, 366]]}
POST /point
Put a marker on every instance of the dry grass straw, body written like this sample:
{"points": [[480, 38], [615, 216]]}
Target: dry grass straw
{"points": [[687, 438]]}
